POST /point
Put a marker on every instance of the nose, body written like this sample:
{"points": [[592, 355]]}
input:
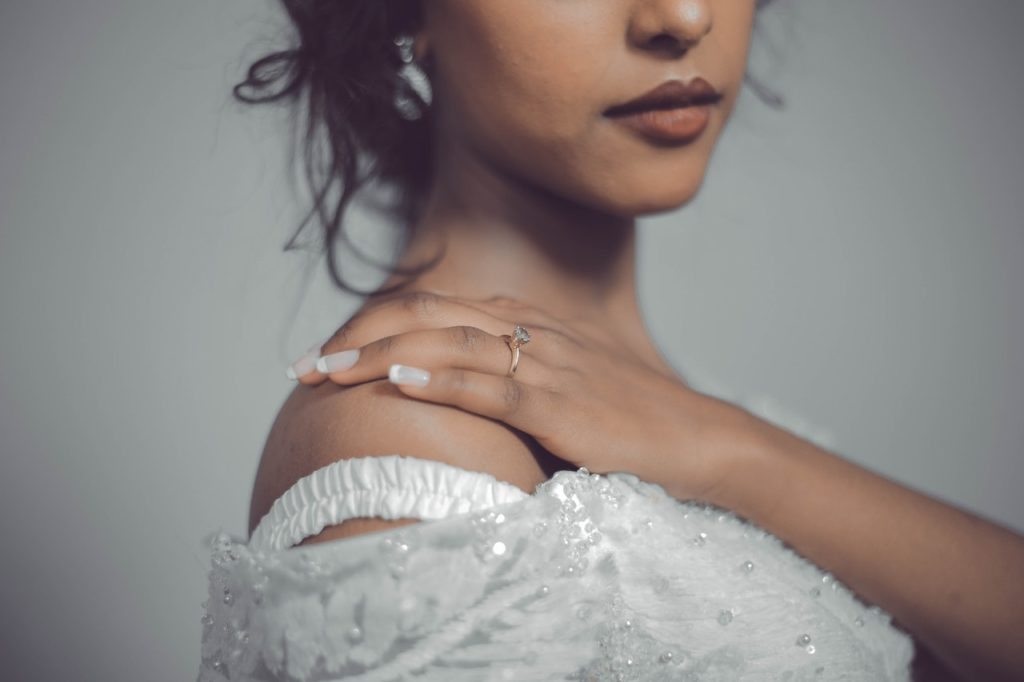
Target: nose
{"points": [[672, 25]]}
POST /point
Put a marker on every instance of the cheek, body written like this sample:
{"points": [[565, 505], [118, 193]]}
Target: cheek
{"points": [[537, 91], [540, 117], [534, 70]]}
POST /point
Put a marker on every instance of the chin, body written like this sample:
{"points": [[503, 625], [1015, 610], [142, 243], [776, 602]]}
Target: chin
{"points": [[658, 195]]}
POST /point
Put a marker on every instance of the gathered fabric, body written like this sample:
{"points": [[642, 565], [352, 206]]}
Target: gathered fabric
{"points": [[592, 577]]}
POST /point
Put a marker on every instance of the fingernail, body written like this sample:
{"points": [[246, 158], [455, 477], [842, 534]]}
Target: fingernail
{"points": [[409, 376], [304, 365], [336, 362]]}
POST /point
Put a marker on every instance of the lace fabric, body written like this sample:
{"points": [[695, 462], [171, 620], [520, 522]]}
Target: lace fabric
{"points": [[590, 578]]}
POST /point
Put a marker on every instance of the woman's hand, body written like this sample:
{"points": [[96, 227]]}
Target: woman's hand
{"points": [[579, 398]]}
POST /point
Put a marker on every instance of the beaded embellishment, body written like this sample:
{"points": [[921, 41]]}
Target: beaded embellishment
{"points": [[593, 578]]}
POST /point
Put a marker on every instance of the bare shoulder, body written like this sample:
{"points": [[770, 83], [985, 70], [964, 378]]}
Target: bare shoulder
{"points": [[318, 425]]}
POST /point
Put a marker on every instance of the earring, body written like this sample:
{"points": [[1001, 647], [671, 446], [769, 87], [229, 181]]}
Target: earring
{"points": [[415, 77]]}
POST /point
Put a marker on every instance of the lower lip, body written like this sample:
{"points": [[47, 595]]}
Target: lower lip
{"points": [[668, 125]]}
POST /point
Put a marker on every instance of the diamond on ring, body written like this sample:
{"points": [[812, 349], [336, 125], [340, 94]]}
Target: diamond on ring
{"points": [[520, 335]]}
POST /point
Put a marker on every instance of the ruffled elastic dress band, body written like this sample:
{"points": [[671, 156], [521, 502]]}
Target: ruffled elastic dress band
{"points": [[388, 487]]}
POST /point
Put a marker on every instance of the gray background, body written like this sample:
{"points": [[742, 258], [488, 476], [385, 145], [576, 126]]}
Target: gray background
{"points": [[853, 260]]}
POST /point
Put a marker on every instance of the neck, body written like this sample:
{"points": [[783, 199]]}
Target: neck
{"points": [[500, 237]]}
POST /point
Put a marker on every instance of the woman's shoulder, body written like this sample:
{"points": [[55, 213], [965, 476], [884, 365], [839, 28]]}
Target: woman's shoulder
{"points": [[319, 425]]}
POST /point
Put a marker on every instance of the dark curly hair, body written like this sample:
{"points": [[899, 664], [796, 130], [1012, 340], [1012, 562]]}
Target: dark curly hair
{"points": [[346, 64]]}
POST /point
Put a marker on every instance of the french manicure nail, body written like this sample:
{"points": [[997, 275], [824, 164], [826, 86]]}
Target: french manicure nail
{"points": [[304, 365], [336, 362], [409, 376]]}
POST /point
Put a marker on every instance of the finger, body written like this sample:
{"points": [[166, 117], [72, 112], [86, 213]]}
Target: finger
{"points": [[400, 314], [529, 408], [507, 307], [303, 370], [389, 316], [462, 346], [411, 312], [428, 310]]}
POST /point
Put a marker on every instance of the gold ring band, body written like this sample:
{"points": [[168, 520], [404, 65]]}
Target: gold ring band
{"points": [[519, 337]]}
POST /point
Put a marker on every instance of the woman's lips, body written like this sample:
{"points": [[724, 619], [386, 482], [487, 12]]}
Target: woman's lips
{"points": [[680, 124]]}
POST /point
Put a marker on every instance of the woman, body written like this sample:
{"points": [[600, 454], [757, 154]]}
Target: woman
{"points": [[524, 140]]}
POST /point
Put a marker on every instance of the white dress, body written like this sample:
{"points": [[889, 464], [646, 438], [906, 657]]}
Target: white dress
{"points": [[592, 577]]}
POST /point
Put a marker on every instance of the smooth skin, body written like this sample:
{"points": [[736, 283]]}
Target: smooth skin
{"points": [[535, 197]]}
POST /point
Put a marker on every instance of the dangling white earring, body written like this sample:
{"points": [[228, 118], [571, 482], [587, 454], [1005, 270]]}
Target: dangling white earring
{"points": [[417, 79]]}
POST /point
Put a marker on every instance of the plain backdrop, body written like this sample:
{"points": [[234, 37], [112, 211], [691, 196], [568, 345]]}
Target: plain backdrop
{"points": [[852, 265]]}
